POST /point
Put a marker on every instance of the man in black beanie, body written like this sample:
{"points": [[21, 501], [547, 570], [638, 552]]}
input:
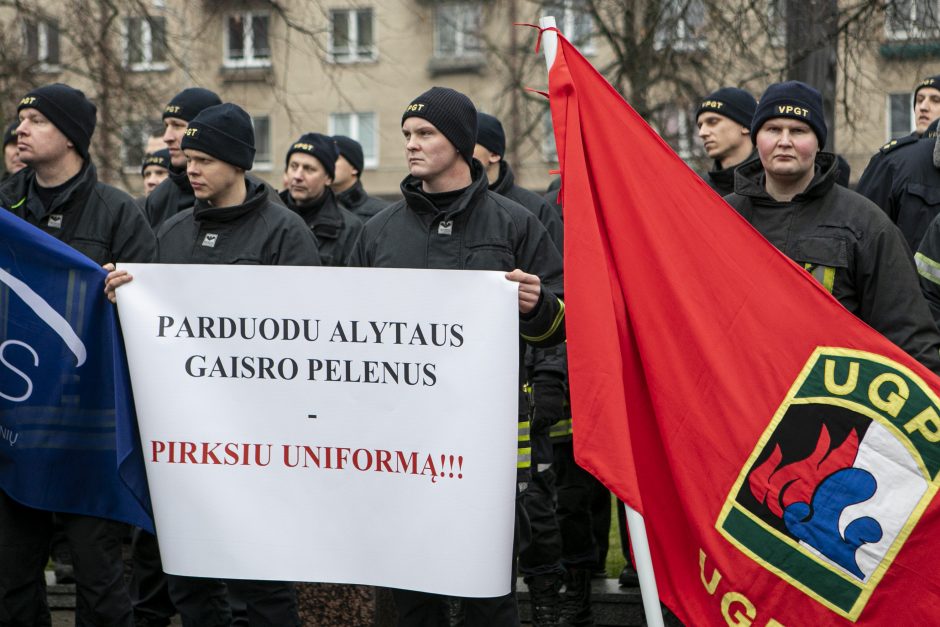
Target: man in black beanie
{"points": [[59, 193], [540, 563], [347, 181], [11, 155], [926, 103], [490, 150], [175, 194], [154, 169], [724, 126], [232, 221], [310, 170], [448, 219], [841, 238]]}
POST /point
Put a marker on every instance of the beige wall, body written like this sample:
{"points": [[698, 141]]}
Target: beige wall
{"points": [[301, 88]]}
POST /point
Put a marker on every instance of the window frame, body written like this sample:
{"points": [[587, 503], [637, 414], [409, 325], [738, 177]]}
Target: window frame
{"points": [[368, 163], [566, 12], [43, 26], [889, 131], [249, 59], [353, 55], [263, 165], [146, 43], [460, 35], [675, 32], [913, 31]]}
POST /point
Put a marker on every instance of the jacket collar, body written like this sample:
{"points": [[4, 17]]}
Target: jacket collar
{"points": [[255, 197], [180, 179], [505, 181], [416, 199], [323, 216], [354, 196], [749, 180], [84, 181]]}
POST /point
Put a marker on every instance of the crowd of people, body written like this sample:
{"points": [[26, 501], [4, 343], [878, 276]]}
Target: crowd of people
{"points": [[461, 208]]}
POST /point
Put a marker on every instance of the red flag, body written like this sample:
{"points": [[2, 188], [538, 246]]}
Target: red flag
{"points": [[784, 455]]}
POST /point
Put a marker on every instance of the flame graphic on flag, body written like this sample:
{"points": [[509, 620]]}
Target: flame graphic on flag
{"points": [[781, 486]]}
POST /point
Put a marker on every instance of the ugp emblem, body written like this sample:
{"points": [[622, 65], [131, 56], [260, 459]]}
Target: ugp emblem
{"points": [[840, 477]]}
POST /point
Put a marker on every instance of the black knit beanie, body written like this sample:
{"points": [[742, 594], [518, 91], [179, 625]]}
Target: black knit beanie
{"points": [[795, 100], [160, 158], [490, 134], [235, 144], [321, 147], [730, 102], [452, 113], [933, 81], [188, 103], [351, 150], [9, 135], [68, 109]]}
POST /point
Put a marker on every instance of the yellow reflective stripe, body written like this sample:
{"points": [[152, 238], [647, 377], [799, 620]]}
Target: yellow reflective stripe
{"points": [[559, 318], [527, 388], [927, 268], [562, 427], [829, 278], [17, 205], [826, 275], [525, 458]]}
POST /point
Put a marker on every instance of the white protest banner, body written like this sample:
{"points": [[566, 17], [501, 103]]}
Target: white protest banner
{"points": [[328, 424]]}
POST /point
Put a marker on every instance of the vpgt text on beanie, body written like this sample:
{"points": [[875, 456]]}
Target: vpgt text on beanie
{"points": [[68, 109], [223, 131], [321, 147], [794, 100], [188, 103], [452, 113], [731, 102]]}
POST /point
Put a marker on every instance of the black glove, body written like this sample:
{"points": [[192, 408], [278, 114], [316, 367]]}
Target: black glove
{"points": [[549, 404]]}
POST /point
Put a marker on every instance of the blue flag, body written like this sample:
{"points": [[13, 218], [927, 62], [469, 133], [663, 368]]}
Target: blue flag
{"points": [[68, 432]]}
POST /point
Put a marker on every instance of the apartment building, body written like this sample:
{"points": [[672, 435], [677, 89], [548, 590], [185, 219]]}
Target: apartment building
{"points": [[349, 67]]}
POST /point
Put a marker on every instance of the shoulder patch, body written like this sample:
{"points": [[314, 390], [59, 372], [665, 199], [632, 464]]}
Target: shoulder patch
{"points": [[897, 143]]}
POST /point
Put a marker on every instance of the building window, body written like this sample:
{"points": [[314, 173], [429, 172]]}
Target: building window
{"points": [[456, 30], [361, 127], [912, 19], [246, 39], [262, 126], [574, 22], [351, 36], [900, 115], [777, 23], [681, 26], [134, 137], [41, 39], [677, 127], [145, 43]]}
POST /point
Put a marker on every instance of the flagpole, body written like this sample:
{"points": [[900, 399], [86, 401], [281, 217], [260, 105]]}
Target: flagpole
{"points": [[638, 540]]}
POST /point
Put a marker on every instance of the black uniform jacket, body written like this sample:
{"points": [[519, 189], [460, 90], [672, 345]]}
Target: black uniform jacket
{"points": [[258, 232], [100, 221], [902, 179], [480, 231], [175, 194], [360, 203], [722, 179], [335, 228], [851, 247], [550, 218]]}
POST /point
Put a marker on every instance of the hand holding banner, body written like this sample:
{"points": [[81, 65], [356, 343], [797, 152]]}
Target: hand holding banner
{"points": [[311, 424]]}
